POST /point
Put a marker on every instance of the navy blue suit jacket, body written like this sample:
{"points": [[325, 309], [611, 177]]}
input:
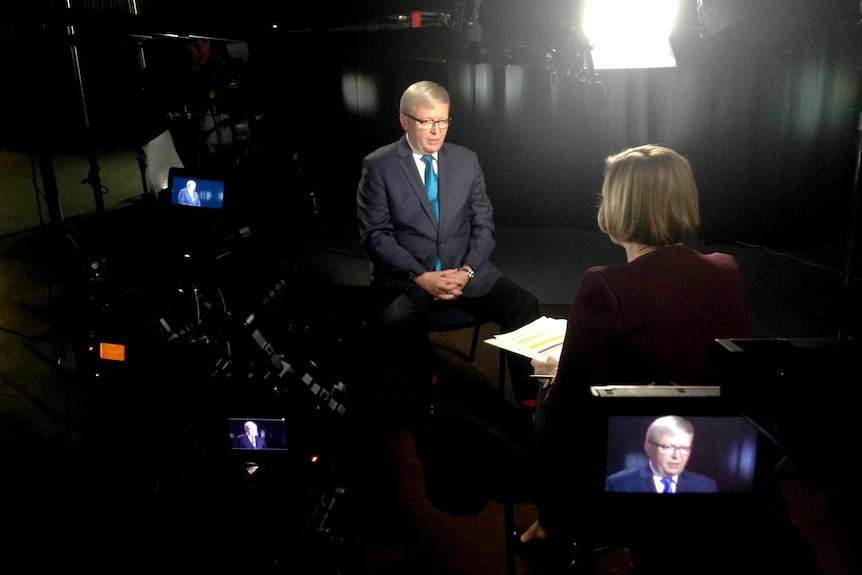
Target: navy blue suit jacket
{"points": [[639, 480], [243, 442], [187, 198], [397, 226]]}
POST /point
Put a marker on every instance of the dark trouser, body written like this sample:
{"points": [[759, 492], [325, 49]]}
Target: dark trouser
{"points": [[554, 499], [567, 441], [404, 329]]}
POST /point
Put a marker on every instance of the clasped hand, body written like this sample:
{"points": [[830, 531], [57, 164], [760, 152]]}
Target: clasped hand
{"points": [[445, 285]]}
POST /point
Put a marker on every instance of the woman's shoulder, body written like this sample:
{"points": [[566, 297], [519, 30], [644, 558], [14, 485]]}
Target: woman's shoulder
{"points": [[671, 258], [720, 259], [685, 251]]}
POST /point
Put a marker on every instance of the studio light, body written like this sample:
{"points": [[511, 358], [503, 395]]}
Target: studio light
{"points": [[630, 33]]}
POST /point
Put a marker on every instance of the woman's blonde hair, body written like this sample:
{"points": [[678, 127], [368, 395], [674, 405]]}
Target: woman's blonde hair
{"points": [[649, 197]]}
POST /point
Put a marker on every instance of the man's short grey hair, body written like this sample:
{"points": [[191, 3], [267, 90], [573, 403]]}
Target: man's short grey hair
{"points": [[424, 92], [670, 424]]}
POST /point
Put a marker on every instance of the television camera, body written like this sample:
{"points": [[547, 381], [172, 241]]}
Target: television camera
{"points": [[198, 328]]}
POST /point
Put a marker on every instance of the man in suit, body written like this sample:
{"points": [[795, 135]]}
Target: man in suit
{"points": [[250, 439], [188, 196], [668, 445], [429, 252]]}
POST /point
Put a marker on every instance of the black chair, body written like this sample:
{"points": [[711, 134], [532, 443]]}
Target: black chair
{"points": [[450, 318]]}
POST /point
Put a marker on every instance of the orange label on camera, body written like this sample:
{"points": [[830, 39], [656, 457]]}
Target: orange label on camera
{"points": [[112, 351]]}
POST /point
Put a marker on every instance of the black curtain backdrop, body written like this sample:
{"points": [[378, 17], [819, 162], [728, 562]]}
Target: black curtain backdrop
{"points": [[770, 128], [765, 103]]}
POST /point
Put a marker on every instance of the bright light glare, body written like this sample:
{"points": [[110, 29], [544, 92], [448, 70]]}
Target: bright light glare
{"points": [[359, 93], [630, 33]]}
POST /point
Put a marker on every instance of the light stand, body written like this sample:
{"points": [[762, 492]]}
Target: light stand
{"points": [[52, 196], [93, 177]]}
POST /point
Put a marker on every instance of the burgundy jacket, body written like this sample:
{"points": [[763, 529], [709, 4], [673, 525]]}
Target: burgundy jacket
{"points": [[651, 319]]}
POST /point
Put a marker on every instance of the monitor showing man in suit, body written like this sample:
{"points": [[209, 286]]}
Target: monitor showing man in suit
{"points": [[250, 439], [188, 196], [668, 445]]}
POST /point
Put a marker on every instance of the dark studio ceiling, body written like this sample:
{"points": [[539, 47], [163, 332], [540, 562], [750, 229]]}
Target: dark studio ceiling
{"points": [[503, 23]]}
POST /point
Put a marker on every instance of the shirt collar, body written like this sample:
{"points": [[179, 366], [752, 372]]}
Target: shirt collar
{"points": [[658, 476], [416, 153]]}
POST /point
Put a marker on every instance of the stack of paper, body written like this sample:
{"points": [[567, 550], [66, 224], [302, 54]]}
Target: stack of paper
{"points": [[537, 340]]}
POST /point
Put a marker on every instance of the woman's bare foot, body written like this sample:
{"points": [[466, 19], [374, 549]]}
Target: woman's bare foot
{"points": [[535, 531]]}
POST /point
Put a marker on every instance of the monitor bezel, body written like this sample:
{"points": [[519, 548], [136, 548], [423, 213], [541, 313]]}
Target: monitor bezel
{"points": [[235, 427], [177, 178]]}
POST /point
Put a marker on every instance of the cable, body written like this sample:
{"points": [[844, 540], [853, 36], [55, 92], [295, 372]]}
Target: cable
{"points": [[798, 259], [36, 188], [18, 333], [103, 189]]}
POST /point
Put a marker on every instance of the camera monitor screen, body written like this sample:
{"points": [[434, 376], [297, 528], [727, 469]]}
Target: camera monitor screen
{"points": [[193, 190], [259, 434], [680, 474], [721, 458], [689, 435]]}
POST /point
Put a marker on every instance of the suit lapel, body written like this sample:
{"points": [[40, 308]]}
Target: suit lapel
{"points": [[646, 480], [681, 483], [442, 183]]}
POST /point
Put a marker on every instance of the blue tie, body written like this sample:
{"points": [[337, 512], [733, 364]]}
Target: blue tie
{"points": [[666, 481], [431, 187]]}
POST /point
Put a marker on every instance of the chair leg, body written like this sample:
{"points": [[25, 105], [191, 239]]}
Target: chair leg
{"points": [[474, 344], [509, 514], [502, 372]]}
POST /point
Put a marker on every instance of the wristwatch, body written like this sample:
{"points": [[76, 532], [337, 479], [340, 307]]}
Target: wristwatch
{"points": [[469, 271]]}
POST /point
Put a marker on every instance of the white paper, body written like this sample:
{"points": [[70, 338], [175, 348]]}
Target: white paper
{"points": [[537, 340]]}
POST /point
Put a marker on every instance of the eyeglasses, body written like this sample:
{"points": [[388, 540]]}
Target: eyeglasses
{"points": [[683, 450], [426, 124]]}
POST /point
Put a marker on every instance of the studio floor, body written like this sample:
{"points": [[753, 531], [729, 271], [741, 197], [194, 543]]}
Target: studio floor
{"points": [[90, 465]]}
